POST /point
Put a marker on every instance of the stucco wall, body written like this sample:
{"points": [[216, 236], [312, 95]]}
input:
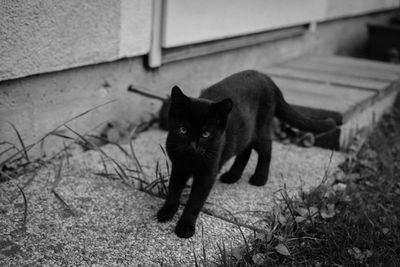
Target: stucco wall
{"points": [[38, 36]]}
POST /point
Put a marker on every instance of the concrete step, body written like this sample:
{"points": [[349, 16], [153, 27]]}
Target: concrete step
{"points": [[355, 92]]}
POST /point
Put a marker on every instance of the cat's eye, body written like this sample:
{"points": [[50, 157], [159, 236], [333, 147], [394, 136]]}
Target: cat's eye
{"points": [[182, 130], [206, 134]]}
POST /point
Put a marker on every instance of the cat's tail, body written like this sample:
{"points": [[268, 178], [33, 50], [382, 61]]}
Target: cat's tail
{"points": [[289, 115]]}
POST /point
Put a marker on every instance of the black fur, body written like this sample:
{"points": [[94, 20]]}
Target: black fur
{"points": [[237, 113]]}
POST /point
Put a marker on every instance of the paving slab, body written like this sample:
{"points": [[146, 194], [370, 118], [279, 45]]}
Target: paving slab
{"points": [[322, 96], [292, 167], [326, 77], [326, 64], [96, 221], [342, 88]]}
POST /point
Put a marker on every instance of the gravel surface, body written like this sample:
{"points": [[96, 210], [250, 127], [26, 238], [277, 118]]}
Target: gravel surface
{"points": [[102, 222], [292, 167]]}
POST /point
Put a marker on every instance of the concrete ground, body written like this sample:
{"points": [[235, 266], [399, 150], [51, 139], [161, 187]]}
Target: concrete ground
{"points": [[92, 220]]}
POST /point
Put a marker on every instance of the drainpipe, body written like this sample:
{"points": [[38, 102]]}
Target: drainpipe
{"points": [[155, 58]]}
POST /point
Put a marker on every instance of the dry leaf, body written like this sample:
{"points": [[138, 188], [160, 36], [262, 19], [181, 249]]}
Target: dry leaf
{"points": [[280, 238], [282, 249], [339, 187], [355, 252], [368, 253], [258, 259], [300, 219], [353, 177], [308, 140], [358, 254], [328, 212], [303, 212], [339, 176], [368, 183], [329, 194], [282, 219]]}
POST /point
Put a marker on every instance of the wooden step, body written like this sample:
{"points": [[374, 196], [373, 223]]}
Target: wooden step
{"points": [[355, 92]]}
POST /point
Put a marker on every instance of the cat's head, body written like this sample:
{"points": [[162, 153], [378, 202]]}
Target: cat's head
{"points": [[196, 125]]}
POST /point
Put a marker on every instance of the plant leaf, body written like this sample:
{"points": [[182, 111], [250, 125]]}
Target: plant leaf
{"points": [[313, 211], [300, 219], [282, 249], [303, 212]]}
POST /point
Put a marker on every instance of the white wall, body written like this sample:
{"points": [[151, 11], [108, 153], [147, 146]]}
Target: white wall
{"points": [[188, 22], [38, 36], [344, 8]]}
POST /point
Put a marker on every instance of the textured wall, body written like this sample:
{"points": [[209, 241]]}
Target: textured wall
{"points": [[39, 36]]}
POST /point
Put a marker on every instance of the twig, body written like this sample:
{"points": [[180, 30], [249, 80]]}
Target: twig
{"points": [[146, 92], [68, 208]]}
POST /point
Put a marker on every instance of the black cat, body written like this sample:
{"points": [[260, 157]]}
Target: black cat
{"points": [[229, 119]]}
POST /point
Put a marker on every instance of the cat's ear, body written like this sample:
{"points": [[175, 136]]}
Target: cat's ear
{"points": [[179, 101], [177, 96], [224, 107]]}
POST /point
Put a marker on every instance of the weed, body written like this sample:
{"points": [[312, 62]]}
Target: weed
{"points": [[355, 222]]}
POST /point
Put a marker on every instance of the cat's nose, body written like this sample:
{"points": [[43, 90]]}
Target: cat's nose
{"points": [[193, 145]]}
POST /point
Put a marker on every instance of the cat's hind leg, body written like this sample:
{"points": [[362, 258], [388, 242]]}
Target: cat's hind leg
{"points": [[263, 148], [235, 172]]}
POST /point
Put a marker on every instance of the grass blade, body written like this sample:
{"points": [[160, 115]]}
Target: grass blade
{"points": [[196, 264], [58, 176], [25, 208], [117, 167], [77, 116], [166, 159], [59, 134], [6, 150], [29, 147], [25, 201], [4, 162], [20, 140]]}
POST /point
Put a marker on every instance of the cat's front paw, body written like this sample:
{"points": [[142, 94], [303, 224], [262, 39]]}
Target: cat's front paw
{"points": [[166, 213], [184, 229], [229, 178], [258, 180]]}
